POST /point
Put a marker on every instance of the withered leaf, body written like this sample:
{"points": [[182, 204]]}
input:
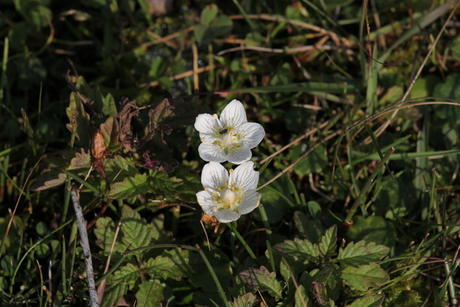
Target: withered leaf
{"points": [[98, 146], [125, 133], [156, 116]]}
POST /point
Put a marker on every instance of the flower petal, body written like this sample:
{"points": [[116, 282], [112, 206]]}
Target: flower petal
{"points": [[244, 177], [233, 115], [226, 215], [208, 124], [206, 202], [214, 176], [252, 133], [239, 155], [250, 202], [211, 152]]}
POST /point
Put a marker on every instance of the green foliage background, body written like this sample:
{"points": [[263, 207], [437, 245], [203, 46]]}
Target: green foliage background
{"points": [[351, 214]]}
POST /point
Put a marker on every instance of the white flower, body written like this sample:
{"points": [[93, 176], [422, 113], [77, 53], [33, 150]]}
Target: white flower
{"points": [[230, 137], [225, 196]]}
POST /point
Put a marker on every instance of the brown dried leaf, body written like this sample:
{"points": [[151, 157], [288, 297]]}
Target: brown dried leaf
{"points": [[98, 146], [156, 115], [125, 134]]}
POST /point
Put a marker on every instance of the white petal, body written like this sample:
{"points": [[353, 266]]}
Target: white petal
{"points": [[244, 177], [226, 215], [240, 155], [211, 152], [214, 176], [252, 133], [206, 202], [233, 115], [208, 124], [250, 202]]}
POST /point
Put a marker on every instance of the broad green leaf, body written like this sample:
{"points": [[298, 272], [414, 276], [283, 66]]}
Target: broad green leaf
{"points": [[268, 282], [130, 187], [109, 107], [150, 294], [328, 243], [301, 248], [261, 279], [308, 227], [364, 277], [105, 234], [113, 293], [362, 252], [312, 163], [301, 298], [208, 14], [172, 264], [135, 231], [372, 229], [119, 283], [245, 300], [367, 301], [127, 275]]}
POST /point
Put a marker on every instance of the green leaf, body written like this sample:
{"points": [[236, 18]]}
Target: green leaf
{"points": [[364, 277], [130, 187], [34, 12], [261, 279], [328, 243], [300, 297], [367, 301], [455, 46], [105, 234], [119, 283], [245, 300], [135, 231], [109, 107], [208, 14], [113, 294], [301, 248], [268, 282], [313, 163], [173, 264], [362, 252], [372, 229], [150, 294]]}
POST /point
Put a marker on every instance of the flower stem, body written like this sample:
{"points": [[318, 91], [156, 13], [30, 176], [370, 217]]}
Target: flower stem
{"points": [[241, 239]]}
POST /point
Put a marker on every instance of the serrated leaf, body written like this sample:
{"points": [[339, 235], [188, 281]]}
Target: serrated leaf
{"points": [[362, 252], [246, 300], [364, 277], [150, 294], [328, 242], [301, 248], [135, 231], [126, 275], [367, 301], [300, 297], [130, 187], [113, 294], [105, 234], [262, 279], [172, 264]]}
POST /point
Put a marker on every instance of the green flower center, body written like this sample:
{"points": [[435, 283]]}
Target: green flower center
{"points": [[228, 139], [228, 198]]}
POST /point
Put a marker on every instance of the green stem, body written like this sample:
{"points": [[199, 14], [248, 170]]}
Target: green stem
{"points": [[242, 240], [220, 290], [369, 184]]}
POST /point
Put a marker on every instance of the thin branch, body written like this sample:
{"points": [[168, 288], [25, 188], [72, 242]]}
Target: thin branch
{"points": [[277, 50], [84, 242]]}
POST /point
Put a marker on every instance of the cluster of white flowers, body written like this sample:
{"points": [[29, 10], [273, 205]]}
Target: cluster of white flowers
{"points": [[229, 137]]}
